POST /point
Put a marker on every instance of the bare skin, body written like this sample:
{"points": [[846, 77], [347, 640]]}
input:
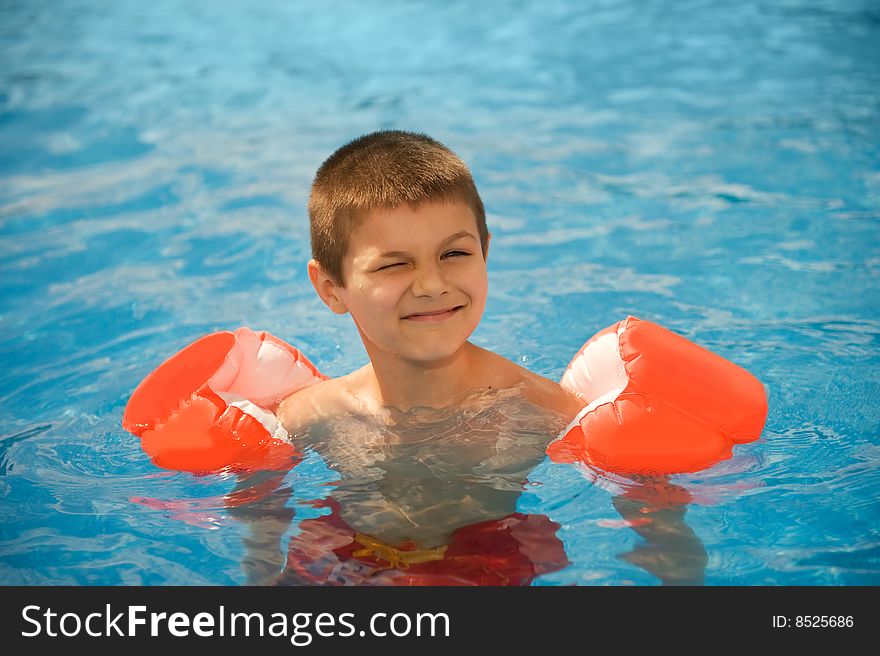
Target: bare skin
{"points": [[355, 393], [420, 473]]}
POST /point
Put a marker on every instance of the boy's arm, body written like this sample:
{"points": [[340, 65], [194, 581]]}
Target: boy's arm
{"points": [[547, 394], [297, 412], [260, 502]]}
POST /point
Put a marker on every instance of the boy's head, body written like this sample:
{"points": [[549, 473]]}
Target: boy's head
{"points": [[383, 170], [399, 241]]}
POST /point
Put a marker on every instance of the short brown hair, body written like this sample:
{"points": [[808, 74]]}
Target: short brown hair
{"points": [[383, 170]]}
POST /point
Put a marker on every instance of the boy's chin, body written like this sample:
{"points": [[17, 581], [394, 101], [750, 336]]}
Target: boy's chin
{"points": [[434, 355]]}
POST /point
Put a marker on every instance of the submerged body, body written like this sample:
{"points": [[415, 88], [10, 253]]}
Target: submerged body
{"points": [[419, 474]]}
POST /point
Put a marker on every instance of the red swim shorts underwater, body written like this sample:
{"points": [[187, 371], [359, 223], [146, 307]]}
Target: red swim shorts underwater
{"points": [[512, 550]]}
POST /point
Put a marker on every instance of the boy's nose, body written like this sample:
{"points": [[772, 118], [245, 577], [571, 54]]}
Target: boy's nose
{"points": [[429, 281]]}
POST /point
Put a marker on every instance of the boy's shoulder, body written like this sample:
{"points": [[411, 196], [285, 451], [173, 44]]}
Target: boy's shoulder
{"points": [[541, 391], [335, 396], [314, 403]]}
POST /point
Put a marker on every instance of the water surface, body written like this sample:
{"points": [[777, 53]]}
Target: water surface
{"points": [[710, 166]]}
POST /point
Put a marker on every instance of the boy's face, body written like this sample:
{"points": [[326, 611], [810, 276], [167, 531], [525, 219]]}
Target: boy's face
{"points": [[415, 281]]}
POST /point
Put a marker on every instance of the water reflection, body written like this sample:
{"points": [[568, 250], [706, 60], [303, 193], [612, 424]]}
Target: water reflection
{"points": [[655, 508]]}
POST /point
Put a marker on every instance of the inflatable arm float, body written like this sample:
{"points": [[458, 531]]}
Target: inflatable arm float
{"points": [[211, 406], [658, 403]]}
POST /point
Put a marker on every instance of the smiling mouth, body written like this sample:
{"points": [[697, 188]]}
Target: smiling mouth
{"points": [[439, 315]]}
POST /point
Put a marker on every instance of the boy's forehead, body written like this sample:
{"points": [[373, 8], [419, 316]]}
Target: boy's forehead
{"points": [[405, 227]]}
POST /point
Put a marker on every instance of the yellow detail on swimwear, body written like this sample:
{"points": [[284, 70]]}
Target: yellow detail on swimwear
{"points": [[396, 558]]}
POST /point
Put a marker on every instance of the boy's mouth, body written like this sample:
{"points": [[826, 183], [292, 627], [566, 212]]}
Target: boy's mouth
{"points": [[436, 315]]}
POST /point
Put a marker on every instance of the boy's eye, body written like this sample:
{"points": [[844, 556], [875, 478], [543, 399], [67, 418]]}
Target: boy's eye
{"points": [[446, 254]]}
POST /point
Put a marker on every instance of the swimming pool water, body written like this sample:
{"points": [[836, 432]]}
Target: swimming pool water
{"points": [[710, 166]]}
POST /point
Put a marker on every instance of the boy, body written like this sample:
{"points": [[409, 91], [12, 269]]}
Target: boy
{"points": [[434, 433], [399, 240]]}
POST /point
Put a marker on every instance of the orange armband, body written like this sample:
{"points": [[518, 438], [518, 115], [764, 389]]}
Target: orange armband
{"points": [[659, 404], [211, 406]]}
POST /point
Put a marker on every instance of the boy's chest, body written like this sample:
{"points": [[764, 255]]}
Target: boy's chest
{"points": [[498, 441]]}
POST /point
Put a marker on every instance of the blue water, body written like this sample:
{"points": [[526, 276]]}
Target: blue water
{"points": [[711, 166]]}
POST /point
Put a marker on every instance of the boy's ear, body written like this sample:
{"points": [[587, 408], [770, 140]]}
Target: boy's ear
{"points": [[326, 288], [488, 241]]}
